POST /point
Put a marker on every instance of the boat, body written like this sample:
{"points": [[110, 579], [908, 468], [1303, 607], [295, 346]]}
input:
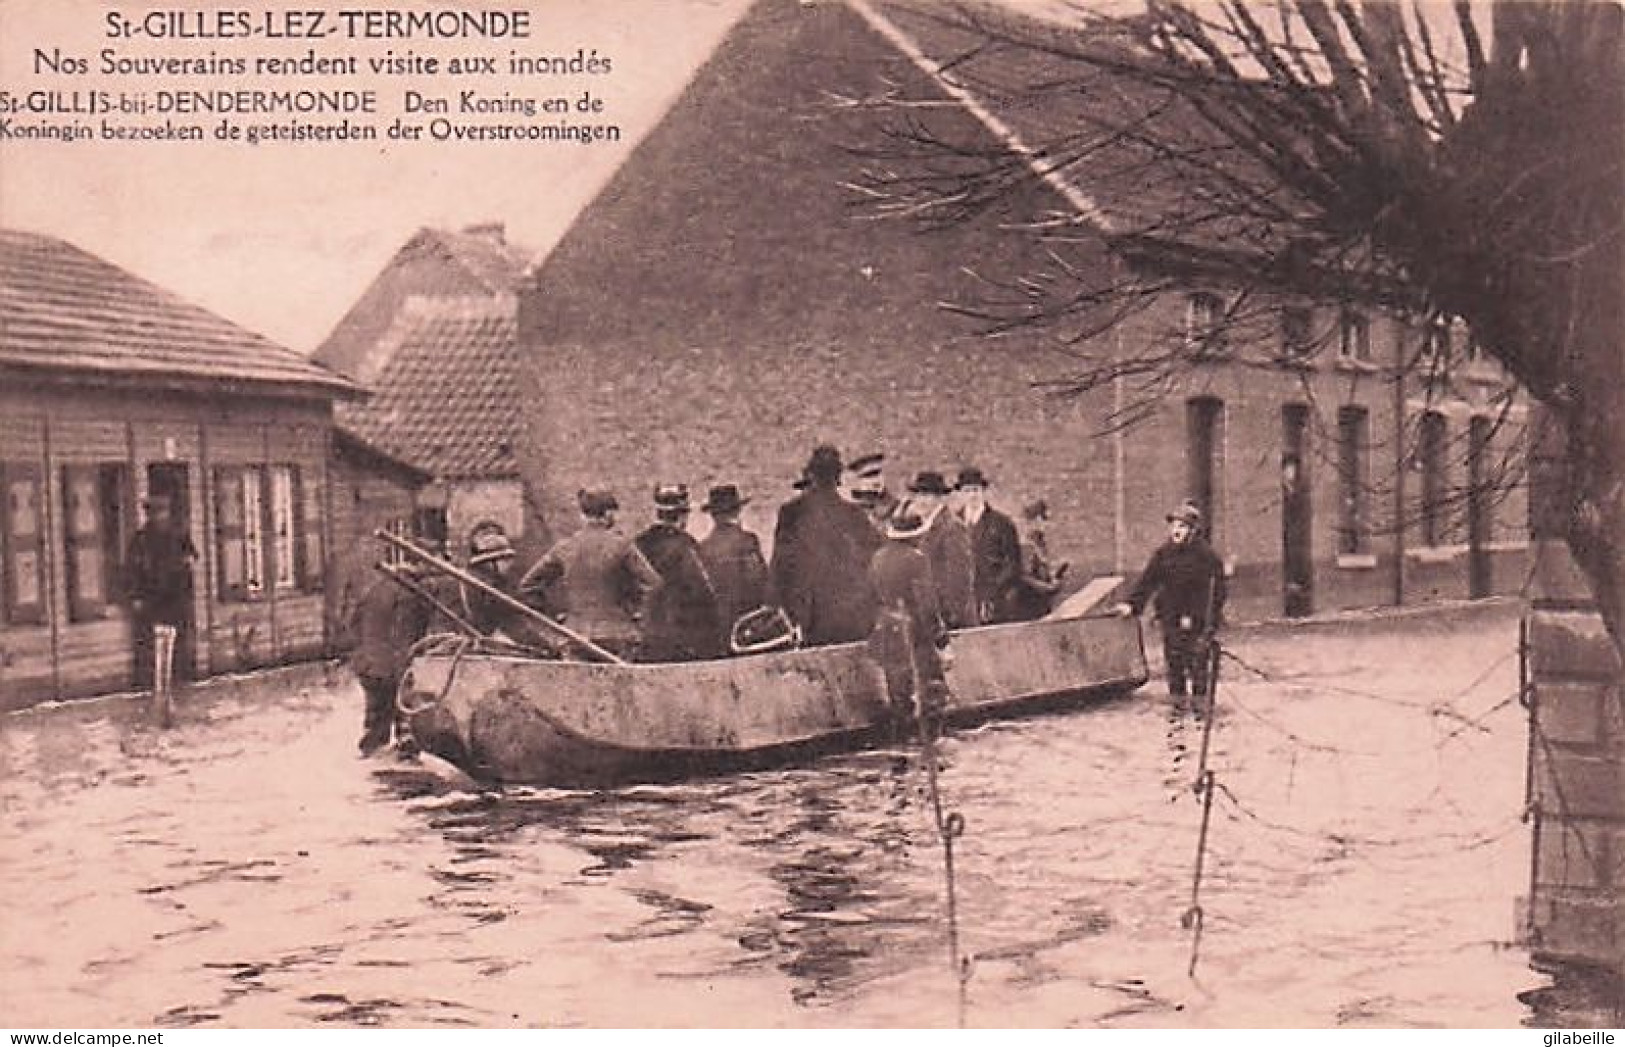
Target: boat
{"points": [[508, 718]]}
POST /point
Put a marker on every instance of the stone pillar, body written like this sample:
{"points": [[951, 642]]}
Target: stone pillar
{"points": [[1576, 764]]}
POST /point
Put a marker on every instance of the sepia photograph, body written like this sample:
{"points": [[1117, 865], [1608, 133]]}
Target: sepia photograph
{"points": [[812, 514]]}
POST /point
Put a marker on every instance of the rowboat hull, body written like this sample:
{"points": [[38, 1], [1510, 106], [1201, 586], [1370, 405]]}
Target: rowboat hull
{"points": [[513, 719]]}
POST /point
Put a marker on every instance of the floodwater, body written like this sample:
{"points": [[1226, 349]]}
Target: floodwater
{"points": [[246, 869]]}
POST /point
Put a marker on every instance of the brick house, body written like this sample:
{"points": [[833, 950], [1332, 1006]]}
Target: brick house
{"points": [[709, 322], [432, 339], [112, 389]]}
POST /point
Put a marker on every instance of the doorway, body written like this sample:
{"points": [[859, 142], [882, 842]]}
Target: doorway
{"points": [[173, 482], [1297, 514], [1480, 509]]}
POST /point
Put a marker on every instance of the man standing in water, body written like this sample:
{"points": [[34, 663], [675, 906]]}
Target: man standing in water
{"points": [[1185, 578], [160, 588]]}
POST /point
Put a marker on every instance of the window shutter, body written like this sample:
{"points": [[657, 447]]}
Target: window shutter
{"points": [[83, 544], [307, 520], [24, 544], [228, 529]]}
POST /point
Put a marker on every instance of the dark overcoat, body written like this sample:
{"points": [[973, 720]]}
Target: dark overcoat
{"points": [[821, 550], [996, 549], [909, 630], [385, 623], [680, 621], [159, 574], [733, 559], [947, 546], [1187, 585]]}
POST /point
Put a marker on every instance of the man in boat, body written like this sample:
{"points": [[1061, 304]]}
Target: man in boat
{"points": [[681, 622], [947, 546], [822, 544], [733, 558], [1040, 580], [867, 484], [1185, 579], [595, 580], [910, 637], [385, 623], [490, 559], [995, 548]]}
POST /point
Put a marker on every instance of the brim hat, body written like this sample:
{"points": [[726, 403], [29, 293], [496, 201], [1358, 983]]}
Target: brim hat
{"points": [[970, 477], [1038, 509], [489, 544], [672, 498], [929, 483], [825, 463], [724, 498], [907, 522], [1186, 513]]}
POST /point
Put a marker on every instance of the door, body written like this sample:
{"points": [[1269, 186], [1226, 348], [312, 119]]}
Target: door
{"points": [[172, 480], [1297, 551]]}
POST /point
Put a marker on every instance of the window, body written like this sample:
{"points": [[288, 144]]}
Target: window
{"points": [[1430, 453], [95, 515], [22, 530], [1204, 456], [238, 527], [1436, 347], [1353, 436], [1354, 336], [1297, 343], [1203, 311], [261, 533], [284, 533]]}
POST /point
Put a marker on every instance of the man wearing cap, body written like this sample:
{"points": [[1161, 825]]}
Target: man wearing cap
{"points": [[821, 549], [909, 634], [681, 622], [995, 549], [1040, 576], [732, 557], [1185, 578], [159, 585], [947, 547], [866, 484], [595, 579], [490, 559]]}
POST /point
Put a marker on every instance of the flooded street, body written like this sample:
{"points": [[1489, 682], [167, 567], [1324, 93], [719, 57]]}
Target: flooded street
{"points": [[246, 869]]}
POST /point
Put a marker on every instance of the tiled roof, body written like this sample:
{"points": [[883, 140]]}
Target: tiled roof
{"points": [[486, 254], [65, 310], [446, 401]]}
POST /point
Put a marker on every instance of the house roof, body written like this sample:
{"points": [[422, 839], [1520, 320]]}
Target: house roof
{"points": [[446, 400], [475, 260], [64, 310]]}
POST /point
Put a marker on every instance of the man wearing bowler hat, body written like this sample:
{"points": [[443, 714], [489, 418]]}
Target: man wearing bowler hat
{"points": [[910, 637], [821, 549], [681, 623], [1185, 579], [995, 549], [733, 557], [596, 580]]}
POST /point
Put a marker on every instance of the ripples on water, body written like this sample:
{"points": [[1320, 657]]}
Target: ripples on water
{"points": [[246, 870]]}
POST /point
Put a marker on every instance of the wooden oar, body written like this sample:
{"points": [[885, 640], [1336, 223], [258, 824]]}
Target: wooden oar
{"points": [[446, 567]]}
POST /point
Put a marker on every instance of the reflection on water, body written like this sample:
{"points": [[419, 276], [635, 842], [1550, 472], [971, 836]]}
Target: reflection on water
{"points": [[246, 870]]}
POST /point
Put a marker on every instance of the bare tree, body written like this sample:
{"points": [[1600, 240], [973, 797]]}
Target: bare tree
{"points": [[1460, 162]]}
